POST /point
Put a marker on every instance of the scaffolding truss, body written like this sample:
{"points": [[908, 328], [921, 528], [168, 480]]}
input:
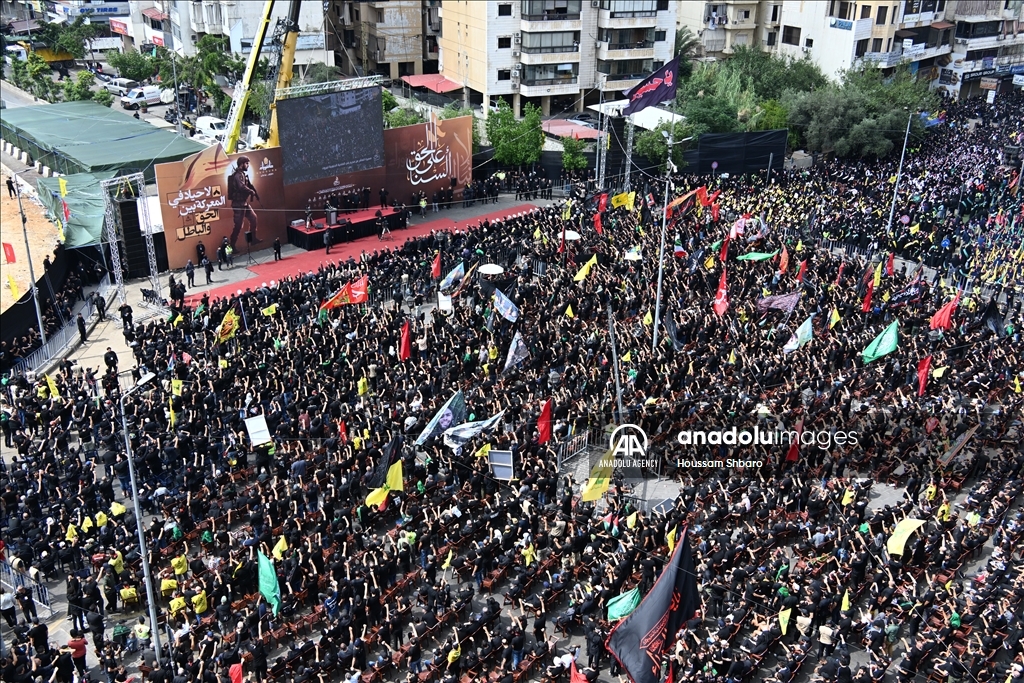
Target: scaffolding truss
{"points": [[330, 86], [115, 191]]}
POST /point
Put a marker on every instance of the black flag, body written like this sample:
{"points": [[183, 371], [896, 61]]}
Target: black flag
{"points": [[387, 459], [639, 641], [993, 319]]}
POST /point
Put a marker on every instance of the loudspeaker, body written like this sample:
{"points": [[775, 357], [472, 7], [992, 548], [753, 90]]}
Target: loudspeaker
{"points": [[135, 258], [248, 237]]}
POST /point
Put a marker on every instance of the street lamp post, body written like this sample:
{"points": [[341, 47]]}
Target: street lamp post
{"points": [[899, 175], [28, 256], [154, 631], [664, 226]]}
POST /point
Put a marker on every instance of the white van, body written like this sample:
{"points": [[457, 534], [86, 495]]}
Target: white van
{"points": [[213, 127], [147, 95]]}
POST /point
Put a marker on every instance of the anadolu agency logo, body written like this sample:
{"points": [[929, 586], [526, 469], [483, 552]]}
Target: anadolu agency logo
{"points": [[629, 448], [823, 440]]}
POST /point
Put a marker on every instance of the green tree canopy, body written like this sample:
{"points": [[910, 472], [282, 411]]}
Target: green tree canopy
{"points": [[64, 37], [80, 87], [573, 158], [453, 111], [396, 118], [515, 143], [132, 64], [653, 145]]}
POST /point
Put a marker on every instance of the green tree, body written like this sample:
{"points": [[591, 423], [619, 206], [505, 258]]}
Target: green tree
{"points": [[212, 59], [712, 115], [19, 73], [71, 38], [103, 97], [515, 142], [80, 87], [573, 158], [687, 46], [318, 72], [770, 75], [387, 100], [653, 145], [453, 111], [132, 64], [40, 78], [396, 118], [261, 96]]}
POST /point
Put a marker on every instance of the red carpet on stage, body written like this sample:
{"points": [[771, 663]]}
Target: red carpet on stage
{"points": [[312, 260]]}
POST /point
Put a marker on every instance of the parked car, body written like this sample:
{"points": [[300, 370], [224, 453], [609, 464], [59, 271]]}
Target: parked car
{"points": [[212, 127], [120, 86], [139, 97], [584, 116], [581, 122]]}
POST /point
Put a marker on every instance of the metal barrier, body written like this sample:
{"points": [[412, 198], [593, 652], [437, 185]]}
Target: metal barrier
{"points": [[12, 579]]}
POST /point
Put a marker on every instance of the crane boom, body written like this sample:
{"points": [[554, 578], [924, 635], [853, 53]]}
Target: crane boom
{"points": [[284, 73], [241, 97]]}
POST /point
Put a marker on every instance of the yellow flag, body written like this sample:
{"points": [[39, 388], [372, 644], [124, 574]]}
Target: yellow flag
{"points": [[834, 318], [170, 407], [60, 232], [448, 561], [630, 201], [377, 496], [845, 607], [394, 479], [628, 357], [116, 509], [15, 292], [567, 211], [269, 310], [915, 228], [483, 451], [886, 297], [87, 524], [279, 548], [765, 292], [176, 385], [72, 533], [930, 492], [631, 520], [537, 234], [583, 272], [671, 539], [784, 619], [101, 519], [600, 479], [529, 555], [799, 245], [222, 363], [939, 372], [648, 319], [568, 312], [878, 275], [52, 386], [363, 386], [849, 497], [63, 186], [709, 262], [1016, 385], [732, 357]]}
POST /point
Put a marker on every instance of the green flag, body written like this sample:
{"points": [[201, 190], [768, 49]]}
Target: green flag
{"points": [[883, 344], [621, 606], [757, 256], [268, 583]]}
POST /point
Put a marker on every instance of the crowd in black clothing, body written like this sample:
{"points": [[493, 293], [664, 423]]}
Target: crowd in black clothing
{"points": [[444, 580]]}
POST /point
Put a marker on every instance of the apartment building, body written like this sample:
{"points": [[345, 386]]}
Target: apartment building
{"points": [[179, 24], [557, 54], [392, 38], [723, 26], [988, 47]]}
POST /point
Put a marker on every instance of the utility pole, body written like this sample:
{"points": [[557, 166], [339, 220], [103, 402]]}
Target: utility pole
{"points": [[28, 256], [615, 360]]}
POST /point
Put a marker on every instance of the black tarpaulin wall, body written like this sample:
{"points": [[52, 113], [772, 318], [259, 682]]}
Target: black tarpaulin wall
{"points": [[739, 153]]}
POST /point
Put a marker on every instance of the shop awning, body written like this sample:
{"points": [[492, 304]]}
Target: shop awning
{"points": [[435, 82], [904, 33], [942, 25], [155, 14], [563, 129]]}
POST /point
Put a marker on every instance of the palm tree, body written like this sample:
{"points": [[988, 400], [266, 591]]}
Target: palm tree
{"points": [[687, 47]]}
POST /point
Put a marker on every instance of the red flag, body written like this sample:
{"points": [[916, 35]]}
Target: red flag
{"points": [[721, 304], [840, 275], [435, 267], [344, 296], [342, 431], [358, 290], [943, 318], [794, 448], [597, 223], [725, 249], [715, 208], [867, 298], [890, 266], [561, 247], [405, 348], [67, 212], [803, 271], [575, 676], [784, 263], [9, 252], [708, 201], [702, 195], [922, 374], [602, 202], [235, 673], [544, 423]]}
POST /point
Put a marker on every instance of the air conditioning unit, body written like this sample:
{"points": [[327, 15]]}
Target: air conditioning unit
{"points": [[515, 54], [960, 41], [1000, 37], [515, 86], [515, 71], [595, 3], [517, 38], [195, 39]]}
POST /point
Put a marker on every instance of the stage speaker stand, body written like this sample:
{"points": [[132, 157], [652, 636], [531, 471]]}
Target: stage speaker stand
{"points": [[248, 249], [136, 256]]}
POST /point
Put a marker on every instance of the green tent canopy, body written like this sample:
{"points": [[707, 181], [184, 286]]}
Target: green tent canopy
{"points": [[85, 137], [85, 204]]}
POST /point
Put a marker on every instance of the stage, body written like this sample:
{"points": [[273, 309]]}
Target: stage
{"points": [[348, 228]]}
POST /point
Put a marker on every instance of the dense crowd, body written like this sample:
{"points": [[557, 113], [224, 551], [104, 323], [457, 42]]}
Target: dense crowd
{"points": [[460, 576]]}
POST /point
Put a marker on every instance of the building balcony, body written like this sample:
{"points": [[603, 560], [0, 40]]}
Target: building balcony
{"points": [[545, 56], [549, 86], [714, 42], [887, 60], [988, 42], [620, 20], [620, 82], [641, 50], [555, 22]]}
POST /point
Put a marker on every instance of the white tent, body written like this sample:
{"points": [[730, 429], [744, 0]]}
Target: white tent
{"points": [[647, 119]]}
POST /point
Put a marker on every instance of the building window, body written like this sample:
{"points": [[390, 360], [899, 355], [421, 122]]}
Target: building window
{"points": [[862, 48], [809, 42], [771, 39], [555, 41], [625, 69], [876, 45], [895, 11], [504, 74], [791, 35], [657, 64], [380, 16], [881, 16], [775, 14], [627, 39], [888, 45], [551, 74], [865, 12], [941, 7], [841, 10], [504, 10], [746, 14], [662, 7], [659, 36], [542, 10], [504, 42], [626, 9]]}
